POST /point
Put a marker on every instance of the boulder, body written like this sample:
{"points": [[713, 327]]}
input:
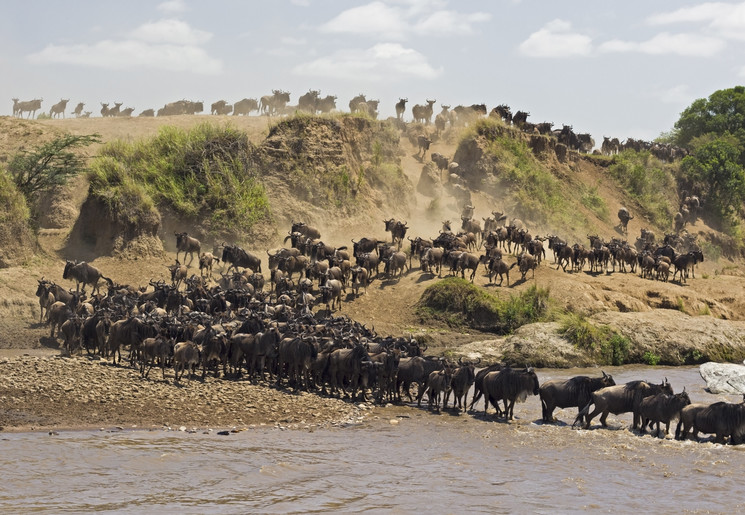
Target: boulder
{"points": [[429, 181], [727, 378]]}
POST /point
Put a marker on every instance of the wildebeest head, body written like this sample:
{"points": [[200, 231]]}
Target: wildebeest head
{"points": [[68, 266]]}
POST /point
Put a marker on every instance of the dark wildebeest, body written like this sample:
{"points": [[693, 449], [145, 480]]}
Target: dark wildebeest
{"points": [[387, 373], [129, 331], [187, 245], [571, 393], [347, 366], [423, 143], [624, 216], [297, 355], [364, 245], [623, 398], [498, 267], [721, 419], [463, 378], [478, 384], [510, 385], [439, 382], [415, 370], [84, 273], [395, 265], [306, 230], [401, 107], [237, 257], [397, 229], [662, 408]]}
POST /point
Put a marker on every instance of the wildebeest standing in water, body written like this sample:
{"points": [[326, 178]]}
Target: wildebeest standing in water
{"points": [[511, 386], [662, 408], [723, 419], [571, 393], [619, 399]]}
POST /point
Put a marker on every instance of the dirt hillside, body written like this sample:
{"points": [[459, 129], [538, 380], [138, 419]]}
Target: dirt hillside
{"points": [[388, 305]]}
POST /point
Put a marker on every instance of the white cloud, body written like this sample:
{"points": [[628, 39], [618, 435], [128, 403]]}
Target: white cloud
{"points": [[684, 44], [717, 18], [172, 7], [397, 20], [300, 3], [287, 40], [164, 45], [556, 39], [170, 31], [384, 61], [678, 95]]}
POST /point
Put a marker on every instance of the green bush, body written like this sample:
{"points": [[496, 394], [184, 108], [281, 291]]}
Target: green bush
{"points": [[649, 182], [204, 174], [650, 358], [608, 347], [460, 303]]}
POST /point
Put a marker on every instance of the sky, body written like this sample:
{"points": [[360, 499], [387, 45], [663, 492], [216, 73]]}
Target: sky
{"points": [[617, 69]]}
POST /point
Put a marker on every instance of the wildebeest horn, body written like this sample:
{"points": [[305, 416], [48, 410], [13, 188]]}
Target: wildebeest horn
{"points": [[604, 374], [460, 360]]}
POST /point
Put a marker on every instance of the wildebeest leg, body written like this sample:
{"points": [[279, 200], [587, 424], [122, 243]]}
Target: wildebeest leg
{"points": [[604, 417]]}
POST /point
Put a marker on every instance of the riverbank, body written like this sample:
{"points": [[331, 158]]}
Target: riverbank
{"points": [[43, 392]]}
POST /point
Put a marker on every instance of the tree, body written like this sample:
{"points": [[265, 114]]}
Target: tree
{"points": [[716, 170], [723, 112], [49, 165]]}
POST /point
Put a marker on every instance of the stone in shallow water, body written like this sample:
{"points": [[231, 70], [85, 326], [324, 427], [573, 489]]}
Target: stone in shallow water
{"points": [[726, 378]]}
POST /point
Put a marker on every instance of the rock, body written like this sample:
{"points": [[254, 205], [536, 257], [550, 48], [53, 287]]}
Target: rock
{"points": [[429, 181], [727, 378]]}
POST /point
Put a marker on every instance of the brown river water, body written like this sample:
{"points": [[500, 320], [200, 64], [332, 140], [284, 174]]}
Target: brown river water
{"points": [[439, 463]]}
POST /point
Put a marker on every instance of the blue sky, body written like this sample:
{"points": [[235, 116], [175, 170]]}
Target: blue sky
{"points": [[623, 69]]}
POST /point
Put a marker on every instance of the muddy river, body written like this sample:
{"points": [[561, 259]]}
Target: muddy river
{"points": [[400, 460]]}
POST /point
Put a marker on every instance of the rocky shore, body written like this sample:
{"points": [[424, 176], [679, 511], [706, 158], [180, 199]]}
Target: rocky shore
{"points": [[53, 392]]}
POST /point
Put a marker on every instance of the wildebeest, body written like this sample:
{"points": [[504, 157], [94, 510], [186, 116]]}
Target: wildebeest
{"points": [[331, 294], [571, 393], [46, 298], [511, 386], [155, 350], [185, 356], [70, 329], [463, 378], [397, 229], [59, 108], [395, 265], [305, 229], [423, 113], [439, 383], [297, 356], [245, 106], [237, 257], [206, 260], [624, 216], [346, 366], [187, 245], [662, 408], [423, 143], [84, 273], [619, 399], [178, 273], [723, 419], [415, 370], [401, 107]]}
